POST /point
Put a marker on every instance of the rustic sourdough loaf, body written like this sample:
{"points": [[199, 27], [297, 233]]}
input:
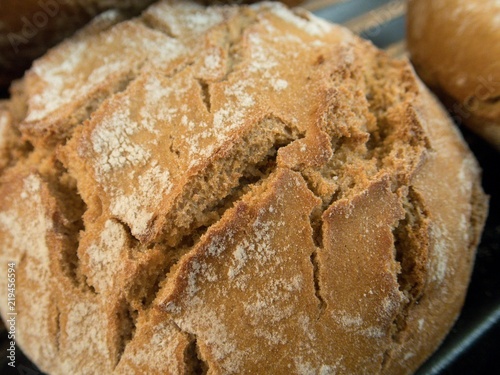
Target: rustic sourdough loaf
{"points": [[232, 190], [455, 47]]}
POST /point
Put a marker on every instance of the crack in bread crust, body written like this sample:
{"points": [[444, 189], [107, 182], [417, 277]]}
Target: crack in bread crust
{"points": [[194, 360], [411, 241], [127, 318], [317, 288]]}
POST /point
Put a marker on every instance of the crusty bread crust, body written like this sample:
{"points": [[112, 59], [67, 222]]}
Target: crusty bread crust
{"points": [[231, 189], [454, 46]]}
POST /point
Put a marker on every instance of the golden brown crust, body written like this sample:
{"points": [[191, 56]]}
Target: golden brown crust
{"points": [[261, 195], [12, 146], [450, 253], [5, 134], [447, 41]]}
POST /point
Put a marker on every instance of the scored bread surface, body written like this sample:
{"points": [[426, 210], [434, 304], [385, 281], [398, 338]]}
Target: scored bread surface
{"points": [[231, 189]]}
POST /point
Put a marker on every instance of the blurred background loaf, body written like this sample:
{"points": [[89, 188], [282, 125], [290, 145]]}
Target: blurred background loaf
{"points": [[455, 48]]}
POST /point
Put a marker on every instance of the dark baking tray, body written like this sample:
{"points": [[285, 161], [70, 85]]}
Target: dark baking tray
{"points": [[473, 345]]}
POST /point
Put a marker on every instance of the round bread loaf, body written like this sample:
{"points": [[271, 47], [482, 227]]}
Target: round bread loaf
{"points": [[232, 190], [455, 47]]}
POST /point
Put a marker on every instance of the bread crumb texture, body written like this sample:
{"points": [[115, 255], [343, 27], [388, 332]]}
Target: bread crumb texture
{"points": [[231, 190]]}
